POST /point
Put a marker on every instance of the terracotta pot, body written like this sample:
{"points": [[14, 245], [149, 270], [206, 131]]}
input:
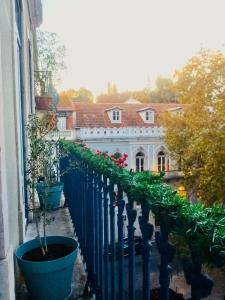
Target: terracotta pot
{"points": [[43, 102]]}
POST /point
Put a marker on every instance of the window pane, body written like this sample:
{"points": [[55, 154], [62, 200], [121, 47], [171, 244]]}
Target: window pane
{"points": [[137, 165]]}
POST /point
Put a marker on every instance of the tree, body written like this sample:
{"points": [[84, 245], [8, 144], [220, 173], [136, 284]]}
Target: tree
{"points": [[164, 91], [71, 95], [51, 55], [84, 95], [115, 97], [65, 97], [196, 137], [202, 79]]}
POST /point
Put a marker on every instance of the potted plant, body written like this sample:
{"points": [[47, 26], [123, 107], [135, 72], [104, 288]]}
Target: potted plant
{"points": [[48, 187], [47, 261]]}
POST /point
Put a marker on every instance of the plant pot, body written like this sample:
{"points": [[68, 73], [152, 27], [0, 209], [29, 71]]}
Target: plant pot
{"points": [[51, 279], [43, 102], [49, 197]]}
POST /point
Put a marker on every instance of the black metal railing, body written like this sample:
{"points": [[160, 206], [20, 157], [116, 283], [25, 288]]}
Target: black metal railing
{"points": [[115, 236]]}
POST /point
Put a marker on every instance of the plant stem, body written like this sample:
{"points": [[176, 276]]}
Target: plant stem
{"points": [[36, 222]]}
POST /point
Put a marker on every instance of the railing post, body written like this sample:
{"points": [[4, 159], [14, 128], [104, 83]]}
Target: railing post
{"points": [[100, 217], [106, 238], [96, 234], [201, 284], [91, 280], [147, 232], [120, 222], [112, 241], [132, 214], [167, 252]]}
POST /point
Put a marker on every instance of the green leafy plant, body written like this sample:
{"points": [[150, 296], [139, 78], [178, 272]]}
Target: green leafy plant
{"points": [[44, 155], [201, 228]]}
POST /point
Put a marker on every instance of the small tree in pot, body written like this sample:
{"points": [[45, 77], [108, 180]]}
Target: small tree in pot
{"points": [[46, 262]]}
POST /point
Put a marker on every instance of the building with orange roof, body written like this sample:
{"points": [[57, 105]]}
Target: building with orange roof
{"points": [[131, 127]]}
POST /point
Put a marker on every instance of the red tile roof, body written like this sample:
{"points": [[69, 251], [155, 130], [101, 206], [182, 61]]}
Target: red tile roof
{"points": [[96, 114]]}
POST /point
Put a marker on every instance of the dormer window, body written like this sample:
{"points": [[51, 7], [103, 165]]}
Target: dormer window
{"points": [[147, 115], [116, 115]]}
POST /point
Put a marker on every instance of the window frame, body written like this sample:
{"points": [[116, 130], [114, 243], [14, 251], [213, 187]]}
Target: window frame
{"points": [[140, 161], [116, 116], [161, 161]]}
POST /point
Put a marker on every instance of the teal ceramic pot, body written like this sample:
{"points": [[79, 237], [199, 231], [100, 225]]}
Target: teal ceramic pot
{"points": [[48, 280], [53, 195]]}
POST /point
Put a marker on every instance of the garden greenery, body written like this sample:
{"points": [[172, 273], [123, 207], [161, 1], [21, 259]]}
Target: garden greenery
{"points": [[202, 228]]}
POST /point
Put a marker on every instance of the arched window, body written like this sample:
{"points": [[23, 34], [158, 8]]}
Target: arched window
{"points": [[140, 157], [161, 161]]}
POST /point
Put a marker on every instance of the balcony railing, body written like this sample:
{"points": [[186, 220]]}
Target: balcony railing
{"points": [[100, 196], [63, 134]]}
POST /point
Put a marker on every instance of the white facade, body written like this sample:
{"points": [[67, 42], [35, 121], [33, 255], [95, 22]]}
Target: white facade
{"points": [[133, 141], [18, 19], [149, 141]]}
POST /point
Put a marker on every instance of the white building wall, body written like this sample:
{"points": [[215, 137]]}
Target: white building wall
{"points": [[12, 221], [127, 140]]}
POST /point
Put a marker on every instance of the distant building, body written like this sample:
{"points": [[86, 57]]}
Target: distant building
{"points": [[131, 127]]}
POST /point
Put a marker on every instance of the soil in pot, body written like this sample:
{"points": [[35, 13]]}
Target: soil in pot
{"points": [[155, 295], [55, 251]]}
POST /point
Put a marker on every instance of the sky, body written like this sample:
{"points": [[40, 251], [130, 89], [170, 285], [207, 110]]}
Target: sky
{"points": [[131, 42]]}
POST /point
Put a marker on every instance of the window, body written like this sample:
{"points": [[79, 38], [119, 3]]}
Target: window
{"points": [[116, 115], [149, 116], [161, 161], [140, 161], [61, 123], [18, 8], [74, 119]]}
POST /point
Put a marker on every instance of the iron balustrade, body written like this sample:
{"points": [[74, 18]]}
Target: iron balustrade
{"points": [[95, 203]]}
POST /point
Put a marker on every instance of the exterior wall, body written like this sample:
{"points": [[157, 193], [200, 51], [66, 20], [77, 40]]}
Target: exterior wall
{"points": [[12, 111], [130, 140], [131, 148], [122, 132]]}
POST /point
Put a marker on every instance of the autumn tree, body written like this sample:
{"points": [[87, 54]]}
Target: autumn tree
{"points": [[65, 97], [202, 79], [196, 137], [164, 91], [115, 97], [84, 95], [72, 95]]}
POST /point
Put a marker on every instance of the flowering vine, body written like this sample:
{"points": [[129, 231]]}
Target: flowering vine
{"points": [[117, 158]]}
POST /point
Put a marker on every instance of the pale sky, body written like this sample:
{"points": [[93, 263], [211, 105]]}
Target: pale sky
{"points": [[131, 42]]}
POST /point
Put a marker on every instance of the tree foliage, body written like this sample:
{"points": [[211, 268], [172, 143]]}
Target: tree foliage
{"points": [[164, 91], [202, 79], [115, 97], [71, 95], [196, 137], [51, 54]]}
